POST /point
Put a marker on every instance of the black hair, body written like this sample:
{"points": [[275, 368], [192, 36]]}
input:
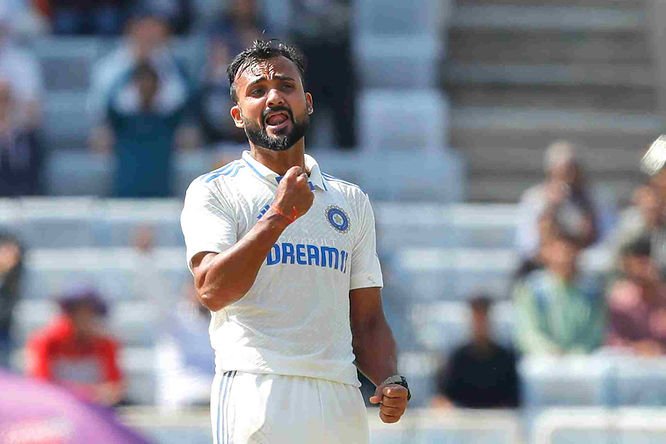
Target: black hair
{"points": [[145, 69], [481, 302], [264, 50], [637, 247]]}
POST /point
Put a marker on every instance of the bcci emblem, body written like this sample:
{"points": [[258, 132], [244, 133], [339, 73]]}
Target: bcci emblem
{"points": [[337, 218]]}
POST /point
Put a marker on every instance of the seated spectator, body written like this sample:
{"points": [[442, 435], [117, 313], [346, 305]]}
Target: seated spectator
{"points": [[11, 269], [185, 362], [144, 131], [147, 41], [480, 374], [21, 69], [646, 218], [73, 351], [87, 17], [637, 303], [565, 194], [558, 310], [20, 151]]}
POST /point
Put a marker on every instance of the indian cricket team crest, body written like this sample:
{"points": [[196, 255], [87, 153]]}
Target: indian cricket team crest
{"points": [[338, 219]]}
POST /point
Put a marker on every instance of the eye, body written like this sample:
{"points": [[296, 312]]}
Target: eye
{"points": [[257, 92], [287, 87]]}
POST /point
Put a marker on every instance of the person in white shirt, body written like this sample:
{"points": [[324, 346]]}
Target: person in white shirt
{"points": [[284, 256]]}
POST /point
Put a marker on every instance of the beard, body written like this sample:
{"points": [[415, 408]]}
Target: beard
{"points": [[281, 142]]}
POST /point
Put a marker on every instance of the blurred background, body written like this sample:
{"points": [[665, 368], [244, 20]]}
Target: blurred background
{"points": [[500, 141]]}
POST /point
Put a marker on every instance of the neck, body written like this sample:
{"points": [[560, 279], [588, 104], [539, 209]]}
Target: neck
{"points": [[566, 274], [280, 161]]}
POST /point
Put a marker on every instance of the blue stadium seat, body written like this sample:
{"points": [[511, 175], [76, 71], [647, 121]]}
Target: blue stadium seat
{"points": [[564, 381], [418, 120], [67, 61]]}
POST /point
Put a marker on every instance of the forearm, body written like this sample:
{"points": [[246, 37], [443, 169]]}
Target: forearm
{"points": [[226, 277], [375, 350]]}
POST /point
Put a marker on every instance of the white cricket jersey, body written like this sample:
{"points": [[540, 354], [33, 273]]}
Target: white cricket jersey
{"points": [[294, 320]]}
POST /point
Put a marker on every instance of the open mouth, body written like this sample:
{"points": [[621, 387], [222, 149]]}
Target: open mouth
{"points": [[277, 120]]}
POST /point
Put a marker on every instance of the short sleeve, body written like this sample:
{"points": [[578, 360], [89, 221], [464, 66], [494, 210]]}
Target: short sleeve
{"points": [[207, 221], [365, 269]]}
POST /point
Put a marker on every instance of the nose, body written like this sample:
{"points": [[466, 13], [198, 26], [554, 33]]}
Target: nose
{"points": [[274, 98]]}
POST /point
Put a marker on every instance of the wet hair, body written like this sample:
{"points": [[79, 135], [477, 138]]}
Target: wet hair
{"points": [[263, 50]]}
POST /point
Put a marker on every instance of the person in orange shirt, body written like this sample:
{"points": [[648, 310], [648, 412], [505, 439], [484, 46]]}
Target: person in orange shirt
{"points": [[73, 350]]}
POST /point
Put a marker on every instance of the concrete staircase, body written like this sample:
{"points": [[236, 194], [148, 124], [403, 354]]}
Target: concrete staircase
{"points": [[521, 73]]}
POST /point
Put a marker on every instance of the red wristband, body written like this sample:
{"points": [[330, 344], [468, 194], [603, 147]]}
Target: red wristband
{"points": [[291, 219]]}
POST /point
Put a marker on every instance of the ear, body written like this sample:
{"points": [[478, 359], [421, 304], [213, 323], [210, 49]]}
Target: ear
{"points": [[237, 116], [309, 103]]}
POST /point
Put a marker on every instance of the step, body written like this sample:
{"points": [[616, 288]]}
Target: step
{"points": [[540, 118], [509, 188], [548, 17], [516, 160], [517, 46], [628, 99], [540, 138], [616, 4], [635, 75]]}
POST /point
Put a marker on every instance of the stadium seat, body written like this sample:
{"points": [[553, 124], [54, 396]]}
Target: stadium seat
{"points": [[569, 380], [118, 274], [67, 61], [67, 122], [386, 17], [86, 173], [116, 223], [55, 222], [398, 62], [418, 119]]}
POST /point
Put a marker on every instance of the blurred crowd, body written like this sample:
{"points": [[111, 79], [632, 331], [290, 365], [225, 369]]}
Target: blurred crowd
{"points": [[144, 103], [146, 106], [560, 307]]}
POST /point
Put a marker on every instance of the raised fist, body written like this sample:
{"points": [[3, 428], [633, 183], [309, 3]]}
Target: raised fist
{"points": [[294, 196]]}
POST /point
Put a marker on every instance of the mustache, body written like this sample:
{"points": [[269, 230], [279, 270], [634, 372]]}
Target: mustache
{"points": [[276, 109]]}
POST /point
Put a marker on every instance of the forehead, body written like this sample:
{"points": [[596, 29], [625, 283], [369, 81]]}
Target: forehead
{"points": [[267, 70]]}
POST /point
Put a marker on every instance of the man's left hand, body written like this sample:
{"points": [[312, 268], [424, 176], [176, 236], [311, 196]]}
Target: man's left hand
{"points": [[392, 400]]}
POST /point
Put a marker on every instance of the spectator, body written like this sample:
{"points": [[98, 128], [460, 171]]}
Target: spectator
{"points": [[21, 70], [20, 151], [87, 17], [564, 194], [75, 352], [185, 365], [144, 130], [646, 218], [637, 303], [147, 41], [558, 310], [322, 29], [11, 268], [480, 374]]}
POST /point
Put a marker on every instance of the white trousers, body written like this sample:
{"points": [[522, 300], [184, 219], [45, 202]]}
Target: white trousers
{"points": [[249, 408]]}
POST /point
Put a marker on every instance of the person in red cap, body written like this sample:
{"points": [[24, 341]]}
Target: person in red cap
{"points": [[73, 351]]}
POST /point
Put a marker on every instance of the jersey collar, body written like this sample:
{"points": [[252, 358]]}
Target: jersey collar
{"points": [[316, 178]]}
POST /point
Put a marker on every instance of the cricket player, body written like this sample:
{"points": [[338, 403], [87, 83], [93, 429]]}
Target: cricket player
{"points": [[284, 256]]}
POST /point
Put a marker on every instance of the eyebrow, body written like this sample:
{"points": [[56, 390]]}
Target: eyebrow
{"points": [[264, 79]]}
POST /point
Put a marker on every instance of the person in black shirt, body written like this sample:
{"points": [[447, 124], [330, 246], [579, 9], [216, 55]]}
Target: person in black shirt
{"points": [[480, 374]]}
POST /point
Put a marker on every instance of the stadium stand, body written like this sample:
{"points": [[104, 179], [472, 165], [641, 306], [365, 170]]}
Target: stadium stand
{"points": [[523, 73]]}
